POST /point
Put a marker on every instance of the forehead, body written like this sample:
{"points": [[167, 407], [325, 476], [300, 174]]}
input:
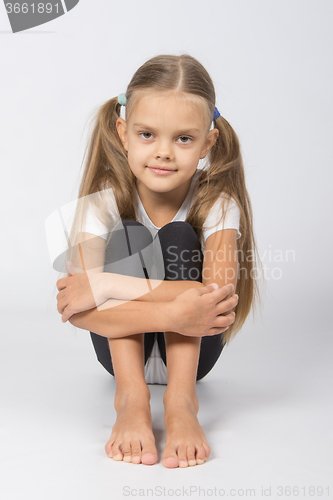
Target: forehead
{"points": [[183, 110]]}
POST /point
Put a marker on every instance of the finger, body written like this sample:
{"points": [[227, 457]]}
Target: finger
{"points": [[60, 295], [61, 284], [66, 315], [227, 305], [224, 321], [216, 331], [207, 289], [62, 303], [219, 294], [72, 269]]}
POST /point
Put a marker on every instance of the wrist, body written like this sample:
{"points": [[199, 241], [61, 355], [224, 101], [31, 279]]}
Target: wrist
{"points": [[167, 316], [170, 316]]}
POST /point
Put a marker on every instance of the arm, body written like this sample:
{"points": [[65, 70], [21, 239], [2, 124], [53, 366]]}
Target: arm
{"points": [[189, 313], [220, 266], [220, 263], [140, 289], [196, 312], [81, 291], [84, 291]]}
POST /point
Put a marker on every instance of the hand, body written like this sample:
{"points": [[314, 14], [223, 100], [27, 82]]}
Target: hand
{"points": [[79, 292], [203, 311]]}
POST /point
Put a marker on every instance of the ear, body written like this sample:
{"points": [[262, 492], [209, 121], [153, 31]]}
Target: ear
{"points": [[210, 141], [121, 126]]}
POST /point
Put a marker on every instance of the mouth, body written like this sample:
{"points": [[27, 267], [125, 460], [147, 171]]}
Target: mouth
{"points": [[156, 169]]}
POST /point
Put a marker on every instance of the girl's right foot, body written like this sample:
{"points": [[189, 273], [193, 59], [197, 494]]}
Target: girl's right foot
{"points": [[132, 439]]}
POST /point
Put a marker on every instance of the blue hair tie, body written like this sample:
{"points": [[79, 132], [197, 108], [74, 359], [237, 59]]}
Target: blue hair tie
{"points": [[216, 114], [122, 99]]}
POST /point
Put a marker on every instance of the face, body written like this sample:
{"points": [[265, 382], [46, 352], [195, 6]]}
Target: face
{"points": [[165, 137]]}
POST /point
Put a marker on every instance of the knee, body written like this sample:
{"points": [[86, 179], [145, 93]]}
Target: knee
{"points": [[178, 229], [128, 238], [181, 252], [179, 238]]}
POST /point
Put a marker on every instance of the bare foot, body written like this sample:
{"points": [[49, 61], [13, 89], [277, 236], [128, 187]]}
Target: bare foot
{"points": [[185, 443], [132, 439]]}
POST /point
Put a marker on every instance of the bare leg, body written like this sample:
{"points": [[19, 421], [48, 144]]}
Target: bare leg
{"points": [[186, 443], [132, 438]]}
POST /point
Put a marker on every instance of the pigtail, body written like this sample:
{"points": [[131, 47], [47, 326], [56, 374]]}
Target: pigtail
{"points": [[106, 166], [225, 174], [106, 162]]}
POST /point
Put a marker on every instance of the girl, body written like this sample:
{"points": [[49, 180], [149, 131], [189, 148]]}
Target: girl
{"points": [[144, 196]]}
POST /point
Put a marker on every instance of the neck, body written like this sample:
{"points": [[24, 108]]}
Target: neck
{"points": [[163, 204]]}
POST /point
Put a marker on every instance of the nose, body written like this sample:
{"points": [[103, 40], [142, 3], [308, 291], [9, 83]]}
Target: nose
{"points": [[163, 151]]}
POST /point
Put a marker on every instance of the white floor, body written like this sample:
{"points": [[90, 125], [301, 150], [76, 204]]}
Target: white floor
{"points": [[266, 409]]}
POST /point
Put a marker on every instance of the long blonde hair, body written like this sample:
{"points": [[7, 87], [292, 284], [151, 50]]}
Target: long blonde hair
{"points": [[106, 165]]}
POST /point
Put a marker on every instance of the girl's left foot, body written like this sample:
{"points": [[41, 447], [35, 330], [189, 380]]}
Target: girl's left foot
{"points": [[185, 443]]}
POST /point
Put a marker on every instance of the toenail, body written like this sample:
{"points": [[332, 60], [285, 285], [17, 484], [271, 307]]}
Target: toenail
{"points": [[192, 462], [199, 461]]}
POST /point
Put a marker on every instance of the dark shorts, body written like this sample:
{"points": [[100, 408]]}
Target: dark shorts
{"points": [[182, 260]]}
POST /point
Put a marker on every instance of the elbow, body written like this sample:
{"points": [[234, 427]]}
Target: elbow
{"points": [[72, 320], [222, 276], [77, 320]]}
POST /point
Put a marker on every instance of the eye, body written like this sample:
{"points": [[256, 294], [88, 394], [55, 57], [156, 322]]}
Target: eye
{"points": [[146, 135], [184, 139]]}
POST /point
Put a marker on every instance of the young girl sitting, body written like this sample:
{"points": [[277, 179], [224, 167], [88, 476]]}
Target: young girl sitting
{"points": [[147, 195]]}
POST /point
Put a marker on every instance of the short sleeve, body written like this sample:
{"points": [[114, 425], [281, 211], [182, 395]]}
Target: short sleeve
{"points": [[103, 201], [213, 222]]}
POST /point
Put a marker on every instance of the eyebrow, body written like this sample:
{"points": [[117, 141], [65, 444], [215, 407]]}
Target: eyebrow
{"points": [[188, 131]]}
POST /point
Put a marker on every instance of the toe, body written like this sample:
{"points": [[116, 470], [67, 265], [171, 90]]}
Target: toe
{"points": [[182, 456], [191, 456], [108, 446], [136, 452], [170, 458], [201, 455], [170, 462], [207, 451], [127, 452], [149, 452], [116, 452], [149, 458]]}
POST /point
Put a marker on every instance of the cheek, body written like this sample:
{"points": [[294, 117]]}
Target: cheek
{"points": [[136, 155], [189, 157]]}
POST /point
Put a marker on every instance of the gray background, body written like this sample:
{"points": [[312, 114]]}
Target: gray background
{"points": [[266, 407]]}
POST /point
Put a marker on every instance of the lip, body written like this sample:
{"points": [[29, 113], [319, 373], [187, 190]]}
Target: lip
{"points": [[161, 170]]}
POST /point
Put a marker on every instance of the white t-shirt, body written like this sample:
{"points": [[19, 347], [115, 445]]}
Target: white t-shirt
{"points": [[155, 369], [212, 223]]}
